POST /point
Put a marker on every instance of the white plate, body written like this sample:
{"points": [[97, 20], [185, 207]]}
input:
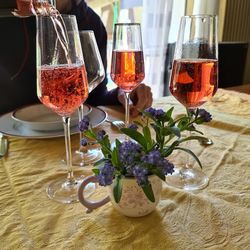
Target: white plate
{"points": [[39, 117], [10, 127]]}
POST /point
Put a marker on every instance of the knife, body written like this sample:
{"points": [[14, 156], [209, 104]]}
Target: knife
{"points": [[3, 145]]}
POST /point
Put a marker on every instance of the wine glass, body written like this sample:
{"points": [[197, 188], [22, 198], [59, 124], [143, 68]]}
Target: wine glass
{"points": [[61, 86], [194, 80], [127, 64], [84, 156]]}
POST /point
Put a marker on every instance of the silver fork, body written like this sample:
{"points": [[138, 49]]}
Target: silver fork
{"points": [[118, 124], [3, 145]]}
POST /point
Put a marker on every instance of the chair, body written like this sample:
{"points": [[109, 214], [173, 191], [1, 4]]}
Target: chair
{"points": [[232, 63], [168, 67]]}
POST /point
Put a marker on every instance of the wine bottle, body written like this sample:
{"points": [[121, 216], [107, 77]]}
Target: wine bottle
{"points": [[35, 7]]}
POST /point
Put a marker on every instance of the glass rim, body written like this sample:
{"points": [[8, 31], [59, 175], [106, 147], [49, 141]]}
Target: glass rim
{"points": [[62, 15], [200, 16], [127, 24]]}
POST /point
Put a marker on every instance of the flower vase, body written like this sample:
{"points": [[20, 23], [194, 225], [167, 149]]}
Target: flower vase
{"points": [[133, 202]]}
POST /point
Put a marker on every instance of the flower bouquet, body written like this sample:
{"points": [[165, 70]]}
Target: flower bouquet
{"points": [[147, 149]]}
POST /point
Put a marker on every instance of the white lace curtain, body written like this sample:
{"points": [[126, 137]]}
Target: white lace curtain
{"points": [[156, 19]]}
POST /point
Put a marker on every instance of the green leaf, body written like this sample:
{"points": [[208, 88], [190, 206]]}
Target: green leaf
{"points": [[168, 115], [89, 134], [171, 130], [183, 123], [117, 143], [199, 120], [118, 189], [156, 128], [95, 171], [169, 112], [158, 173], [115, 157], [135, 135], [176, 131], [147, 189], [106, 152], [105, 141], [194, 130], [191, 153], [100, 162], [167, 151], [106, 147], [147, 135], [192, 137]]}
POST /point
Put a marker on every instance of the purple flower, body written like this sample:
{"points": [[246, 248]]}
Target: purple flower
{"points": [[152, 157], [105, 176], [159, 113], [150, 110], [84, 142], [100, 135], [133, 126], [166, 166], [156, 159], [141, 175], [128, 152], [204, 115], [129, 171], [156, 113], [84, 124]]}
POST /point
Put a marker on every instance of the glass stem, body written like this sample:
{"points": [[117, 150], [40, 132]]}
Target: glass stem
{"points": [[188, 161], [66, 126], [188, 165], [80, 117], [127, 97]]}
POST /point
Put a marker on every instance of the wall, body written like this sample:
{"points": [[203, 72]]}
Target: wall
{"points": [[220, 12], [237, 26]]}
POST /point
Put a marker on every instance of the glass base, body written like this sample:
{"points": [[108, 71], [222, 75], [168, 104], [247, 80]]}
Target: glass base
{"points": [[83, 159], [188, 179], [66, 191]]}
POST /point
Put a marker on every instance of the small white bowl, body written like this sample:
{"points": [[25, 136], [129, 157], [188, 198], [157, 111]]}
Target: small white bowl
{"points": [[39, 117]]}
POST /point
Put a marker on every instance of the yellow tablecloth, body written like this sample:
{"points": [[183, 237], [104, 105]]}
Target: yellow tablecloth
{"points": [[217, 217]]}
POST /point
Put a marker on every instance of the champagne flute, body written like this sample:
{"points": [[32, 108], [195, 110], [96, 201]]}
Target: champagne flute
{"points": [[194, 80], [61, 86], [84, 156], [127, 64]]}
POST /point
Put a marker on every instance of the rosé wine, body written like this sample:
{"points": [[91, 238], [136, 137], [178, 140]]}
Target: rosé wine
{"points": [[63, 88], [193, 82], [127, 69]]}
